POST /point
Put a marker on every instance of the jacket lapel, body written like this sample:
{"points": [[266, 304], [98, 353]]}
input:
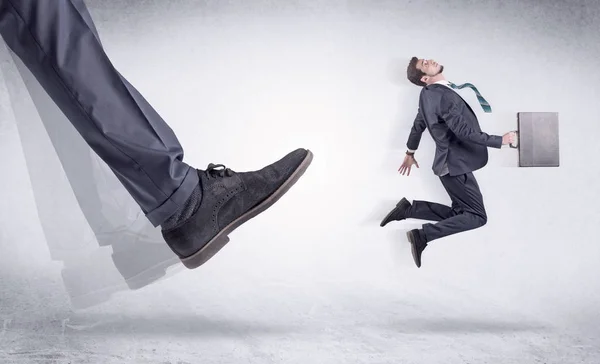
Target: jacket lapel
{"points": [[447, 89]]}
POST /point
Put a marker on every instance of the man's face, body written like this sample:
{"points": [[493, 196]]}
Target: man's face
{"points": [[429, 67]]}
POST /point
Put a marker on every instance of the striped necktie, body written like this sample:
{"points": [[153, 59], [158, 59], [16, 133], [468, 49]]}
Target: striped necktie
{"points": [[484, 104]]}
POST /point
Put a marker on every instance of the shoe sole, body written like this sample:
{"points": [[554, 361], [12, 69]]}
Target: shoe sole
{"points": [[221, 239], [413, 249], [384, 222]]}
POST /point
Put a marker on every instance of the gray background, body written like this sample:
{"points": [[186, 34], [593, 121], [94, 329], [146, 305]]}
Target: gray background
{"points": [[315, 279]]}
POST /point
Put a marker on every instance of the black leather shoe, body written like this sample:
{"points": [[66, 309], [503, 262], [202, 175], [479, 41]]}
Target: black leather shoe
{"points": [[418, 244], [229, 199], [398, 213]]}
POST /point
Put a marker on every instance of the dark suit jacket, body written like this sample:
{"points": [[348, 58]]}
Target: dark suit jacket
{"points": [[454, 127]]}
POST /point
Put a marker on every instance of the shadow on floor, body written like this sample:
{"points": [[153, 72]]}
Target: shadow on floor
{"points": [[463, 325], [175, 325]]}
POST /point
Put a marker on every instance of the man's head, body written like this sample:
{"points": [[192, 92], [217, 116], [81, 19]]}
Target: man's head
{"points": [[423, 72]]}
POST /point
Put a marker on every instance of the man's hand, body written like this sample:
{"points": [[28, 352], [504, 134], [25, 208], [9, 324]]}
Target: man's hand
{"points": [[509, 138], [405, 167]]}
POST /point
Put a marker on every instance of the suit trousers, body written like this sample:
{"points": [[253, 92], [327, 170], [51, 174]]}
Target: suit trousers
{"points": [[57, 42], [466, 213]]}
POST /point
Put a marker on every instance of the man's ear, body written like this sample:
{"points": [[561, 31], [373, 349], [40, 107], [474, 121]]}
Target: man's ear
{"points": [[425, 78]]}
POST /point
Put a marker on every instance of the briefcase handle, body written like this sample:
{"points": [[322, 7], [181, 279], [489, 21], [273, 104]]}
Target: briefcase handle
{"points": [[516, 145]]}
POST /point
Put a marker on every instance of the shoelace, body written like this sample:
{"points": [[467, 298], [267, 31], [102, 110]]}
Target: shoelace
{"points": [[213, 171]]}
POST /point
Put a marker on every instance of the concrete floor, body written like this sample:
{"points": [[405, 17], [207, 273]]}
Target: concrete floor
{"points": [[201, 318], [315, 279]]}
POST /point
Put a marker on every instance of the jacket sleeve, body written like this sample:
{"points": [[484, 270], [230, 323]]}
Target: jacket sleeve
{"points": [[452, 113], [414, 138]]}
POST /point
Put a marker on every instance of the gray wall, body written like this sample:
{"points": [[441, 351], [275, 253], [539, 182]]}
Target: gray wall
{"points": [[243, 83]]}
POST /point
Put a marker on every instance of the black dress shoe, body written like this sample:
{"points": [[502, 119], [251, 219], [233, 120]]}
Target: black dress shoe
{"points": [[229, 199], [418, 244], [398, 213]]}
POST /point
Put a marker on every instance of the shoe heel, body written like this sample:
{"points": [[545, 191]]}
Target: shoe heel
{"points": [[207, 252]]}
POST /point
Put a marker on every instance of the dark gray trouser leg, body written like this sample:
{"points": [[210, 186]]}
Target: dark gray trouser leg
{"points": [[105, 203], [425, 210], [57, 45], [80, 165], [468, 202]]}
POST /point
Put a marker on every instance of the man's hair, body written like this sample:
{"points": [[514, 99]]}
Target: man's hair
{"points": [[413, 73]]}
